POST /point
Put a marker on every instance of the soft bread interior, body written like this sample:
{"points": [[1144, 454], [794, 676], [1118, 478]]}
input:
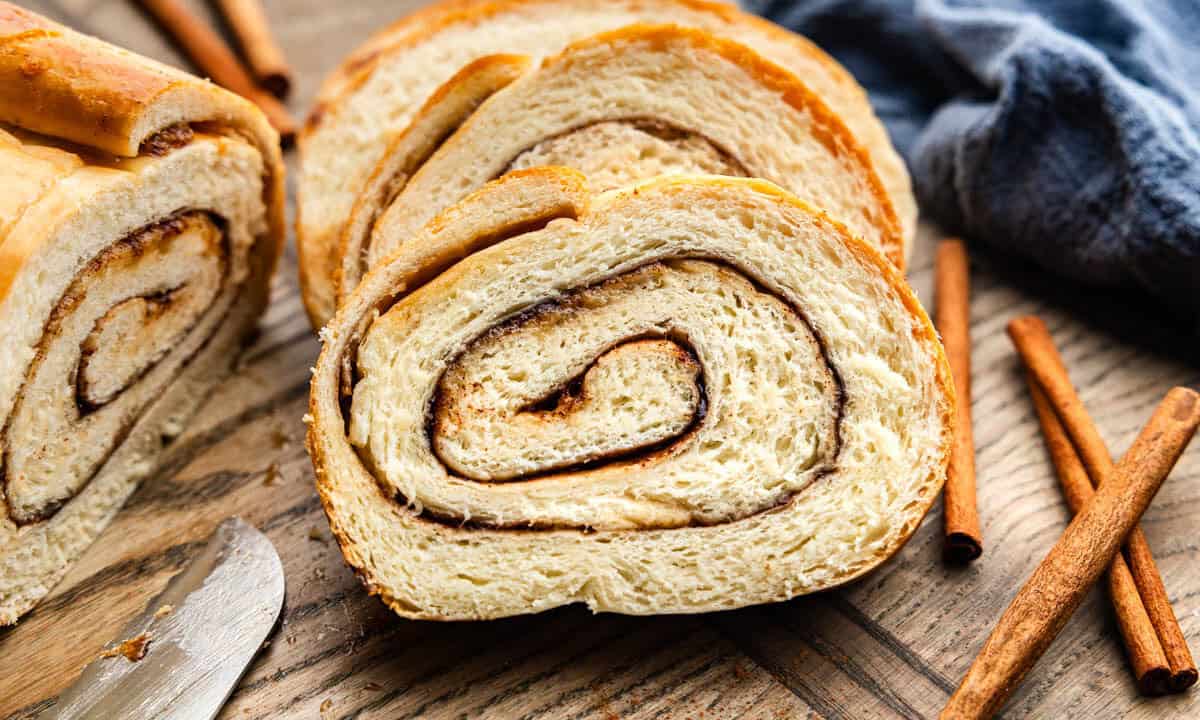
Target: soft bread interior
{"points": [[616, 153], [821, 446]]}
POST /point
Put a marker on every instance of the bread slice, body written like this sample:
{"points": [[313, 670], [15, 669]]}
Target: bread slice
{"points": [[693, 394], [141, 218], [622, 106], [373, 96]]}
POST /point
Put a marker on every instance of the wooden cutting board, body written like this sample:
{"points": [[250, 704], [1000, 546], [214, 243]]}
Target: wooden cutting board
{"points": [[892, 645]]}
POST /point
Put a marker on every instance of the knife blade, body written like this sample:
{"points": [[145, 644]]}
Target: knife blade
{"points": [[194, 640]]}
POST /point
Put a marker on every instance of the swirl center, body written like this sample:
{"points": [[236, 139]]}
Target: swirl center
{"points": [[638, 394], [132, 316]]}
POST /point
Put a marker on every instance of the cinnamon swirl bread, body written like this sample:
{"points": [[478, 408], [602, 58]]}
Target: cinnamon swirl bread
{"points": [[140, 220], [691, 394], [369, 130]]}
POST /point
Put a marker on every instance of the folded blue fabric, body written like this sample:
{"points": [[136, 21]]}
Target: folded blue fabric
{"points": [[1063, 131]]}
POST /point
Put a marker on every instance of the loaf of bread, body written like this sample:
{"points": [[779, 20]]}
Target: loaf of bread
{"points": [[360, 145], [140, 220], [689, 394]]}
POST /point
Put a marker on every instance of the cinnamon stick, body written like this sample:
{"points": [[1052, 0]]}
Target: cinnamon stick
{"points": [[1040, 356], [963, 538], [214, 58], [1085, 549], [248, 21], [1145, 652]]}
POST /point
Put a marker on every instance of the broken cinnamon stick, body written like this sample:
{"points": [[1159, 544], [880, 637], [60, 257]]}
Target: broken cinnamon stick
{"points": [[248, 21], [1145, 652], [963, 538], [1041, 357], [1085, 549], [215, 59]]}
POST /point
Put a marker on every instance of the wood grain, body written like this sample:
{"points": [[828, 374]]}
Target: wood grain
{"points": [[892, 645]]}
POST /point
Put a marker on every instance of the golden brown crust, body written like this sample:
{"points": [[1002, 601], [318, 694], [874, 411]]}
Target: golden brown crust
{"points": [[434, 18], [57, 82], [385, 284], [60, 83], [52, 84]]}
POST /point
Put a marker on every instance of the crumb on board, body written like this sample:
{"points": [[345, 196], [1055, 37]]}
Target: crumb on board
{"points": [[133, 649], [163, 611], [272, 475], [315, 533], [280, 437]]}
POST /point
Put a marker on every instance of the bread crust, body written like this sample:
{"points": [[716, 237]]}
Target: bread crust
{"points": [[346, 485], [64, 84], [425, 23], [320, 235]]}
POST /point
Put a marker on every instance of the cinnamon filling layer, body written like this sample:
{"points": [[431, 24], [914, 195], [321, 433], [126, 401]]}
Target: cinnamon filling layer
{"points": [[129, 321], [680, 393], [587, 421], [167, 139]]}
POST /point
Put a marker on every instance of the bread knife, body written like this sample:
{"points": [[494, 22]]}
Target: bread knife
{"points": [[184, 653]]}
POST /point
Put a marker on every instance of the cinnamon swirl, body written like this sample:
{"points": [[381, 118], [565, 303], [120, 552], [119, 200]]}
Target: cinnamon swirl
{"points": [[140, 222], [691, 394]]}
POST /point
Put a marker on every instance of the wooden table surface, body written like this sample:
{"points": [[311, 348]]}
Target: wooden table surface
{"points": [[892, 645]]}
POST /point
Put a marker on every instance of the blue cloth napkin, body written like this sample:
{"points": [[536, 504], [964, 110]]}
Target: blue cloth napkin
{"points": [[1066, 132]]}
